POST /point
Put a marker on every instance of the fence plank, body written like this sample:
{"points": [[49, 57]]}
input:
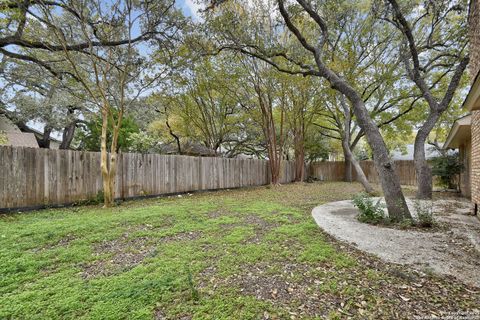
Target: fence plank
{"points": [[335, 171], [36, 177]]}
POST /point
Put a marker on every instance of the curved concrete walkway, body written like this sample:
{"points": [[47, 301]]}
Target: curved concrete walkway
{"points": [[454, 252]]}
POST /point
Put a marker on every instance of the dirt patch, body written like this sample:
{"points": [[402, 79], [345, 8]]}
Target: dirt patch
{"points": [[182, 236], [261, 227], [454, 252], [279, 288], [160, 315], [125, 253], [219, 213], [208, 278], [63, 242]]}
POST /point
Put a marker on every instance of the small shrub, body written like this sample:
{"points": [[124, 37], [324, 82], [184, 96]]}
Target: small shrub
{"points": [[3, 138], [370, 211], [446, 168], [100, 197], [406, 223], [425, 217]]}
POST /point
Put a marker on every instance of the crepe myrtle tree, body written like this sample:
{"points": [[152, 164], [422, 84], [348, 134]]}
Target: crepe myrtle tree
{"points": [[259, 97], [434, 36], [300, 98], [315, 30], [111, 63]]}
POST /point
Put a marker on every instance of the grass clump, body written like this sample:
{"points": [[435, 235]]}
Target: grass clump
{"points": [[425, 217], [370, 211]]}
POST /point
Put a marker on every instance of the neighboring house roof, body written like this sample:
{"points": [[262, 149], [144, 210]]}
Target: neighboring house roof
{"points": [[39, 134], [197, 149], [21, 139], [461, 132], [472, 101], [14, 136], [408, 155], [6, 125], [191, 149]]}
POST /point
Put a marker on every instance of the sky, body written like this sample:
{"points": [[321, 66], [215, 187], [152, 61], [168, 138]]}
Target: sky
{"points": [[190, 8]]}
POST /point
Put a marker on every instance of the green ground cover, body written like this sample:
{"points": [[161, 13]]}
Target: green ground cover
{"points": [[236, 254]]}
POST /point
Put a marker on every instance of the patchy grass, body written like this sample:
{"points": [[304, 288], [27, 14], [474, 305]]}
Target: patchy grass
{"points": [[239, 254]]}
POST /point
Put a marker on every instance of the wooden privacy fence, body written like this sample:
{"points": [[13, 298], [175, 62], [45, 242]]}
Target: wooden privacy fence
{"points": [[335, 171], [43, 177]]}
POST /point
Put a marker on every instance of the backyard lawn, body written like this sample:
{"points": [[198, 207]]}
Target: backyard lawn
{"points": [[235, 254]]}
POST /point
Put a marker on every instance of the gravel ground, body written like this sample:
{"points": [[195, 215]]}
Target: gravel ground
{"points": [[453, 249]]}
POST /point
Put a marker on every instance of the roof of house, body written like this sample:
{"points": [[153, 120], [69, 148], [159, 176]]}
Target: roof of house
{"points": [[21, 139], [39, 134], [459, 133], [14, 136], [6, 125], [408, 153], [189, 148]]}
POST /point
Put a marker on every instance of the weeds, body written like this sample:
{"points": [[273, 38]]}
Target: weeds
{"points": [[425, 217], [370, 211], [191, 285]]}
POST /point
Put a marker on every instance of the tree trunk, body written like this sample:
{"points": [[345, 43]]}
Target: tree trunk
{"points": [[350, 158], [422, 169], [67, 135], [275, 172], [347, 151], [348, 168], [274, 160], [300, 167], [274, 147], [106, 163], [44, 142], [299, 155], [394, 198]]}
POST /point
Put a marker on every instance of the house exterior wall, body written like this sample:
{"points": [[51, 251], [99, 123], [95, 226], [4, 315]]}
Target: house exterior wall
{"points": [[475, 163], [466, 159], [474, 68]]}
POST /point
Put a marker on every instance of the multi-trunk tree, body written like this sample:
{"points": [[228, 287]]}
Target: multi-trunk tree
{"points": [[111, 59], [207, 103], [316, 27], [259, 97], [300, 99], [433, 51]]}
